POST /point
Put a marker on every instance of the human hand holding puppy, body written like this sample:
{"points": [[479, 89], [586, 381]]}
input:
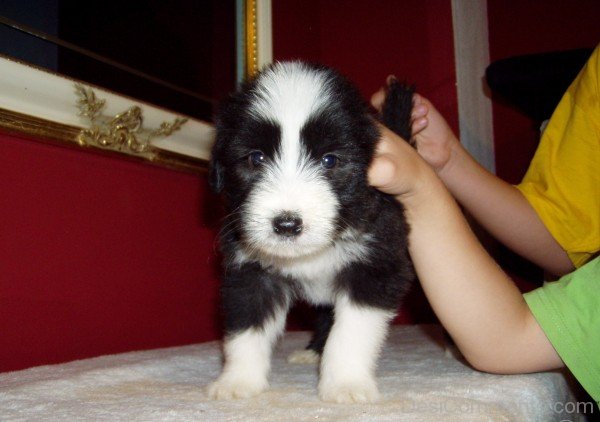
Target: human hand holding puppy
{"points": [[436, 145], [498, 206], [397, 168]]}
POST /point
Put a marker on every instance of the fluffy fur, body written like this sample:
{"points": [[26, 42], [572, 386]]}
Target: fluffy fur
{"points": [[291, 157]]}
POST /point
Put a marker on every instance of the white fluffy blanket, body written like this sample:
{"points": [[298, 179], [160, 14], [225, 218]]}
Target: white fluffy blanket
{"points": [[418, 380]]}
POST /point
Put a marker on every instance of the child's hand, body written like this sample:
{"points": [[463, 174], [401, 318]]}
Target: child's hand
{"points": [[432, 136], [397, 168]]}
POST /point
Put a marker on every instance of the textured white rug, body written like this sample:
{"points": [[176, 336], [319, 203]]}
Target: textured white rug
{"points": [[418, 381]]}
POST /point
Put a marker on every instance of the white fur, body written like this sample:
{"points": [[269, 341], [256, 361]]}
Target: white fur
{"points": [[297, 190], [316, 272], [304, 356], [288, 95], [288, 92], [350, 354], [248, 361]]}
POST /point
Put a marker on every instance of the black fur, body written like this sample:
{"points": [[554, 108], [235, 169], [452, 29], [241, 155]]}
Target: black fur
{"points": [[323, 323], [396, 110], [251, 281]]}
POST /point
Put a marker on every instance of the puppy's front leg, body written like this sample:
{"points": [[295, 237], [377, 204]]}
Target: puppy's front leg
{"points": [[255, 310], [350, 355], [247, 362]]}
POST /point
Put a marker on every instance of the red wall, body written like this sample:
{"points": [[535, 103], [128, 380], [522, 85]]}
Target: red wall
{"points": [[367, 40], [100, 255], [526, 27]]}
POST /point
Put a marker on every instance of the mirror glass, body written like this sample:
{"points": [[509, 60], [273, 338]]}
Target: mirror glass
{"points": [[180, 54]]}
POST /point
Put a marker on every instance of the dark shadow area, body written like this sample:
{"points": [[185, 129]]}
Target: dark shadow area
{"points": [[179, 55]]}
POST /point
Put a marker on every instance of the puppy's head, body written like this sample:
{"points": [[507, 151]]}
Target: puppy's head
{"points": [[291, 154]]}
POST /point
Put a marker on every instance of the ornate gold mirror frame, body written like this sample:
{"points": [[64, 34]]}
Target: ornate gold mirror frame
{"points": [[44, 106]]}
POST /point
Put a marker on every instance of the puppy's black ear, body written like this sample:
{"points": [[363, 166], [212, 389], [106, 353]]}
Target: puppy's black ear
{"points": [[227, 125], [216, 178], [226, 120]]}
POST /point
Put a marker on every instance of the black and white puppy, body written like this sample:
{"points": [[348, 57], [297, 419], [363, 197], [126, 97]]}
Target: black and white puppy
{"points": [[291, 156]]}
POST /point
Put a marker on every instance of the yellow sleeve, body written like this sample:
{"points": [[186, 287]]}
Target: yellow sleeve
{"points": [[563, 181]]}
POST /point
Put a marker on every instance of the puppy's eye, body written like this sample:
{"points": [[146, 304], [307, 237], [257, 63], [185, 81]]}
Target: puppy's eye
{"points": [[329, 161], [256, 158]]}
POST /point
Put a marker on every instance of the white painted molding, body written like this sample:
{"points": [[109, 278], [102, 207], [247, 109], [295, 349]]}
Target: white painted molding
{"points": [[264, 36], [37, 93], [471, 54]]}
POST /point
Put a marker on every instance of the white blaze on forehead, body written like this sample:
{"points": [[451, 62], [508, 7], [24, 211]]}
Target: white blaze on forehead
{"points": [[288, 94]]}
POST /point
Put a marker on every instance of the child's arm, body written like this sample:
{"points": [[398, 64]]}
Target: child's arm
{"points": [[504, 212], [477, 303], [498, 206]]}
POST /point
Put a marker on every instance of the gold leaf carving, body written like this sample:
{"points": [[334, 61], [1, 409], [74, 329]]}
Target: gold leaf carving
{"points": [[123, 132], [89, 106]]}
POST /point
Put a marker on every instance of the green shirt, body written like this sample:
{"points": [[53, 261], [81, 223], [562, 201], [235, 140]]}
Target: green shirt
{"points": [[568, 310]]}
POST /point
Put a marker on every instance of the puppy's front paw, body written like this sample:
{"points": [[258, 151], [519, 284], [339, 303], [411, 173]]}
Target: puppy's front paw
{"points": [[356, 391], [306, 356], [229, 387]]}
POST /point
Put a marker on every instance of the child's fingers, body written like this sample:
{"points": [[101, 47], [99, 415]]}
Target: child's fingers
{"points": [[419, 111], [419, 107], [418, 114], [418, 125], [377, 99], [417, 100]]}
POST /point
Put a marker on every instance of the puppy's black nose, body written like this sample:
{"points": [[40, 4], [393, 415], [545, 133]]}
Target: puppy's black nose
{"points": [[287, 224]]}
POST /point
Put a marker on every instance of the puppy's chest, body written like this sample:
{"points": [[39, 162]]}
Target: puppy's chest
{"points": [[316, 275]]}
